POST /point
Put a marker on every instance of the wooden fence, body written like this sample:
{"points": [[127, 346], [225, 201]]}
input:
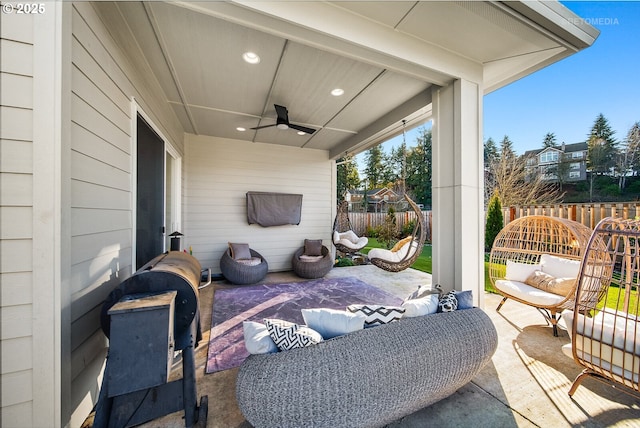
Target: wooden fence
{"points": [[588, 214], [362, 222]]}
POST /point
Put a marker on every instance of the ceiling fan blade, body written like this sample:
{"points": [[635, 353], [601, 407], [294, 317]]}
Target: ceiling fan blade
{"points": [[283, 114], [264, 126], [302, 128]]}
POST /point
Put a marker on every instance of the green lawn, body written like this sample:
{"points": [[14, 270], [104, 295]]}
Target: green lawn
{"points": [[424, 262]]}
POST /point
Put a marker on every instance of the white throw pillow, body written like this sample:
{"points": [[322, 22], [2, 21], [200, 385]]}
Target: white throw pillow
{"points": [[559, 267], [257, 339], [421, 306], [332, 322], [520, 271]]}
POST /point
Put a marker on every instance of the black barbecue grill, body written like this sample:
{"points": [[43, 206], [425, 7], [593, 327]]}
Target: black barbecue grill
{"points": [[150, 318]]}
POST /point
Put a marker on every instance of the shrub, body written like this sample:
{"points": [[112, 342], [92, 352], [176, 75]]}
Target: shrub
{"points": [[407, 229], [372, 232], [344, 261], [389, 229], [494, 222]]}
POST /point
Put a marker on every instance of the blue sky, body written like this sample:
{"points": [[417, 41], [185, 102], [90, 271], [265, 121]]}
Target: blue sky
{"points": [[566, 97]]}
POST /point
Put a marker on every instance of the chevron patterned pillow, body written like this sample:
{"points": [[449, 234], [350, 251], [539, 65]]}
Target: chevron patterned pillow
{"points": [[288, 335], [378, 314]]}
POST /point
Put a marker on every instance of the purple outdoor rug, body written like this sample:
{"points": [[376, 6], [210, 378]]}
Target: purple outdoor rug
{"points": [[282, 301]]}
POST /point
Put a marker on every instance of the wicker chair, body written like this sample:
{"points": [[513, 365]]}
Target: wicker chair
{"points": [[240, 273], [312, 269], [605, 335], [402, 256], [344, 238], [526, 241]]}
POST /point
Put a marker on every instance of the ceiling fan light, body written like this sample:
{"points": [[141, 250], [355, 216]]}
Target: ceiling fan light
{"points": [[337, 92], [251, 57], [282, 126]]}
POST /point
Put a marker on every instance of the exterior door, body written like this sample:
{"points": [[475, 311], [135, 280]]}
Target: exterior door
{"points": [[150, 194]]}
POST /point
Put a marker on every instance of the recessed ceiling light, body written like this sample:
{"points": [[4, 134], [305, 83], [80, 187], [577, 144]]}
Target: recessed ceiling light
{"points": [[251, 57], [337, 92], [302, 133], [241, 129]]}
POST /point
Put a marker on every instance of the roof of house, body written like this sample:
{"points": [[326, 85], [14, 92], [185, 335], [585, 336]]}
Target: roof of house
{"points": [[568, 148]]}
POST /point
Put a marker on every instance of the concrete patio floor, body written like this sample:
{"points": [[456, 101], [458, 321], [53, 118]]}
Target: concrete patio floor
{"points": [[525, 384]]}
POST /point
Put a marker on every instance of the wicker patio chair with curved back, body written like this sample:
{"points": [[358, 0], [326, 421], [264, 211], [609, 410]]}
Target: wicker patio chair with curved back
{"points": [[605, 334], [391, 260], [527, 243], [344, 238]]}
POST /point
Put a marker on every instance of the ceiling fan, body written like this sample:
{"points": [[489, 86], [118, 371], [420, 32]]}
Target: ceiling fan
{"points": [[282, 122]]}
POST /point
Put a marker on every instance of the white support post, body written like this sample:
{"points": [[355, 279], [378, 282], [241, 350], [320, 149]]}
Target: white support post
{"points": [[458, 212]]}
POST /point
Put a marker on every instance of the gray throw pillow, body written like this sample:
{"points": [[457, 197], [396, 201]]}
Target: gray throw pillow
{"points": [[465, 299], [239, 251], [313, 247]]}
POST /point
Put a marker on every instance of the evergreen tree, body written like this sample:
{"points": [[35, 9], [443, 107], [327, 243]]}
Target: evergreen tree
{"points": [[389, 229], [549, 140], [601, 150], [629, 155], [491, 158], [506, 148], [374, 170], [494, 223], [419, 168], [347, 175], [632, 142]]}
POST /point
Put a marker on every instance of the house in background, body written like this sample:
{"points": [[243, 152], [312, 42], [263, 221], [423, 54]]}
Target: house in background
{"points": [[125, 121], [378, 200], [567, 160]]}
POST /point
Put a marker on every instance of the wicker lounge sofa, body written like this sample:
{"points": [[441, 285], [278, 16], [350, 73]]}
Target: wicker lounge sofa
{"points": [[368, 378]]}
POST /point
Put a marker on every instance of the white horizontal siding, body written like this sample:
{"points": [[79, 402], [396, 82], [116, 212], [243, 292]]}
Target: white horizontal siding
{"points": [[16, 219], [107, 73], [16, 288], [220, 172], [16, 156], [17, 90], [16, 57], [17, 354]]}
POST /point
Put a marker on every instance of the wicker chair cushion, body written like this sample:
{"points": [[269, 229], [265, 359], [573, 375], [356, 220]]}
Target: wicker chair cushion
{"points": [[305, 258], [525, 292], [253, 261], [609, 330], [331, 323], [410, 246], [350, 240], [560, 267], [520, 271]]}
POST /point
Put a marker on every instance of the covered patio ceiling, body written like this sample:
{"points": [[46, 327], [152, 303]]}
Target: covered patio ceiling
{"points": [[386, 57]]}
